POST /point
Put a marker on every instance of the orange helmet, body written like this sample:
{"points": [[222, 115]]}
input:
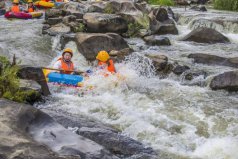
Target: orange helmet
{"points": [[68, 50]]}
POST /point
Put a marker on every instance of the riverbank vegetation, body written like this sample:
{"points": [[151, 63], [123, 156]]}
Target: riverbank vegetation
{"points": [[10, 83], [162, 2], [231, 5]]}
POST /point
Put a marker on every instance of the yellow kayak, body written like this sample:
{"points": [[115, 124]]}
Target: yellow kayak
{"points": [[36, 14], [44, 4]]}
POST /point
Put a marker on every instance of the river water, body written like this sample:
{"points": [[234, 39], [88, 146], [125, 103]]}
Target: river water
{"points": [[178, 120]]}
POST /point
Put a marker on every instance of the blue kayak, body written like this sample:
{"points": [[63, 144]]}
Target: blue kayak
{"points": [[75, 80]]}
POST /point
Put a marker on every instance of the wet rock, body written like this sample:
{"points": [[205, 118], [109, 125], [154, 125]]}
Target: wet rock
{"points": [[74, 8], [101, 23], [62, 140], [178, 70], [206, 35], [64, 39], [199, 8], [34, 87], [120, 55], [96, 7], [214, 60], [161, 24], [15, 142], [36, 74], [68, 19], [168, 27], [58, 29], [53, 21], [227, 81], [190, 75], [89, 44], [160, 63], [142, 156], [155, 40], [115, 142], [53, 13]]}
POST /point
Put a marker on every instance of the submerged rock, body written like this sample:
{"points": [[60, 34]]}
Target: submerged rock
{"points": [[154, 40], [178, 70], [206, 35], [227, 81], [89, 44], [58, 29], [214, 60]]}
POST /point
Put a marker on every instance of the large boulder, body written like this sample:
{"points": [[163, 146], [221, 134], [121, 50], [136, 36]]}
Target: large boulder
{"points": [[35, 74], [160, 23], [214, 60], [156, 40], [103, 134], [75, 8], [205, 35], [227, 81], [89, 44], [15, 142], [114, 141], [53, 21], [102, 23]]}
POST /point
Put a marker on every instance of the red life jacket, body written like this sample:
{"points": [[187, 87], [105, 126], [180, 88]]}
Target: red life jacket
{"points": [[68, 67], [110, 65]]}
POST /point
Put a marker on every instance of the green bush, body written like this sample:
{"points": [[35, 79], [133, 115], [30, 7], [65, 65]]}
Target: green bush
{"points": [[9, 83], [162, 2], [231, 5], [134, 29]]}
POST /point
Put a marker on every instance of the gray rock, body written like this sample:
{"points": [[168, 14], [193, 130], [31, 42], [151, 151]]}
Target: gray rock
{"points": [[155, 40], [160, 63], [53, 13], [15, 142], [68, 19], [89, 44], [190, 75], [64, 39], [58, 29], [34, 87], [214, 60], [36, 74], [227, 81], [120, 55], [206, 35], [53, 21], [101, 23], [178, 70], [160, 23], [74, 8], [114, 141], [2, 11]]}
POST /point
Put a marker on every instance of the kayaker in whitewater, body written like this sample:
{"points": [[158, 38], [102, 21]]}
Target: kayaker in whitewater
{"points": [[16, 7], [30, 7], [105, 62], [64, 63]]}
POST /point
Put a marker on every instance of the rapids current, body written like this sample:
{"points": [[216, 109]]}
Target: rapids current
{"points": [[178, 120]]}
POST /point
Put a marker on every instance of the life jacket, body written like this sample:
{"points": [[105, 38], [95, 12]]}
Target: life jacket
{"points": [[109, 64], [67, 67], [31, 9], [15, 9]]}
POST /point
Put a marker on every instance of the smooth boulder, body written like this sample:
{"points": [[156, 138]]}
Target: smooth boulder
{"points": [[89, 44], [214, 60], [102, 23], [206, 35], [227, 81]]}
